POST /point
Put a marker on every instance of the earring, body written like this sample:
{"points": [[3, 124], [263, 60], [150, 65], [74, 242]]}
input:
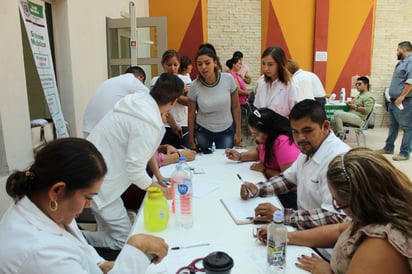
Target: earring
{"points": [[53, 206]]}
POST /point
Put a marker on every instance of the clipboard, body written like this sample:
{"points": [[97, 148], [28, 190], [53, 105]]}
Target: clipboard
{"points": [[243, 211]]}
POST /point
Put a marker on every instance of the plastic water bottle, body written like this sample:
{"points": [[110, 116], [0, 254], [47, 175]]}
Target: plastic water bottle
{"points": [[181, 180], [213, 146], [277, 235], [342, 95], [156, 210]]}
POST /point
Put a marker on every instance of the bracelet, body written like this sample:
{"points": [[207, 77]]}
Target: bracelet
{"points": [[178, 153], [357, 108], [240, 157]]}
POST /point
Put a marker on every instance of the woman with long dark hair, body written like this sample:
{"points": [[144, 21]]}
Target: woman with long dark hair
{"points": [[274, 89], [275, 149]]}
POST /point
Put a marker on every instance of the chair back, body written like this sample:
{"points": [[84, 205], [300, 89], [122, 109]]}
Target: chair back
{"points": [[370, 120]]}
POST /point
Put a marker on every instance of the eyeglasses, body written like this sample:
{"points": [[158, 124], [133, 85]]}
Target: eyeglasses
{"points": [[192, 267], [338, 207], [358, 84]]}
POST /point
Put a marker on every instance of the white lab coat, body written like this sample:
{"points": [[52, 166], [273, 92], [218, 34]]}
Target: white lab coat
{"points": [[107, 95], [33, 243]]}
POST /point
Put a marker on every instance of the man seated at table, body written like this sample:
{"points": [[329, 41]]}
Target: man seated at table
{"points": [[318, 145], [359, 108]]}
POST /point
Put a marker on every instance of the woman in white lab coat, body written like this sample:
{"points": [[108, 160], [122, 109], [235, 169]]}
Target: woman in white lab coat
{"points": [[39, 233]]}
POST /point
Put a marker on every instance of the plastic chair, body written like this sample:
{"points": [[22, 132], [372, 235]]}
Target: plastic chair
{"points": [[359, 131], [246, 109]]}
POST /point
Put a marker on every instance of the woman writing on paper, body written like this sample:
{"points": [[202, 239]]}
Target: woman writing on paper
{"points": [[275, 149]]}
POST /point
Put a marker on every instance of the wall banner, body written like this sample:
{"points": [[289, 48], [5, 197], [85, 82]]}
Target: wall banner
{"points": [[34, 20]]}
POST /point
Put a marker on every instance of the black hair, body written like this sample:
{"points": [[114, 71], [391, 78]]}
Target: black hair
{"points": [[167, 88], [211, 52], [231, 62], [308, 108], [137, 71], [238, 54], [364, 80], [185, 61], [74, 161], [272, 124]]}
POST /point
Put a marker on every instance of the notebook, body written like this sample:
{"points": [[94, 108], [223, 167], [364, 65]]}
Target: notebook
{"points": [[243, 211]]}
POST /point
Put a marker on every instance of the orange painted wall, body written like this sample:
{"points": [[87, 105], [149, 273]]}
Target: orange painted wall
{"points": [[349, 35], [186, 24]]}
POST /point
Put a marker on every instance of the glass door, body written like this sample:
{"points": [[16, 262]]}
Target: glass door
{"points": [[151, 43]]}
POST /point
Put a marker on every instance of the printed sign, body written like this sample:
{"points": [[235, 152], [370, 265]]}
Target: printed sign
{"points": [[34, 19]]}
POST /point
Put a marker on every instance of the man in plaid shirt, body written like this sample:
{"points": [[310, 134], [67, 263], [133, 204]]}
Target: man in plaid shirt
{"points": [[318, 146]]}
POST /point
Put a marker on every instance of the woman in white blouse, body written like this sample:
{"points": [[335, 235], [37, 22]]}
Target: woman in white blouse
{"points": [[274, 89], [39, 233]]}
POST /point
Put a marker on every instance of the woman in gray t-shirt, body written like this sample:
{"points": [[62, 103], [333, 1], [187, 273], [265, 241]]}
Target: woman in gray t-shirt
{"points": [[214, 110]]}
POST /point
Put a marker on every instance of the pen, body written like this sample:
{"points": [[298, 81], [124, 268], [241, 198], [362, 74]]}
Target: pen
{"points": [[240, 178], [248, 190], [166, 181], [189, 246]]}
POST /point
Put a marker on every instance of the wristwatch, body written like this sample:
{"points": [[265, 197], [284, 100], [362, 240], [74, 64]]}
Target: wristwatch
{"points": [[357, 108]]}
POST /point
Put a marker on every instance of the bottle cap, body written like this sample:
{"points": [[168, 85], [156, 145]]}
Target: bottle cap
{"points": [[182, 158], [278, 216], [154, 192]]}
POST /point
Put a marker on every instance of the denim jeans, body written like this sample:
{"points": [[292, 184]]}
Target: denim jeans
{"points": [[400, 119], [223, 139]]}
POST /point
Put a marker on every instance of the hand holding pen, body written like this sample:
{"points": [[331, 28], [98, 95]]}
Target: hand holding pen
{"points": [[247, 190]]}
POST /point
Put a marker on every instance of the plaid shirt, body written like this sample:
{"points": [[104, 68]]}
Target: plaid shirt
{"points": [[301, 219]]}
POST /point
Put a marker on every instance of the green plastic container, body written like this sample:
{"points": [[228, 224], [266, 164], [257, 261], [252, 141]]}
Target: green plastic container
{"points": [[156, 210]]}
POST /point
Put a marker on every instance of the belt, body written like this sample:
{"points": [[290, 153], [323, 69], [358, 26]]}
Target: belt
{"points": [[394, 99]]}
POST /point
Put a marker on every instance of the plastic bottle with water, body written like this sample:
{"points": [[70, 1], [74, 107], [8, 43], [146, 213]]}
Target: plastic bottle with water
{"points": [[182, 192], [342, 95], [277, 236]]}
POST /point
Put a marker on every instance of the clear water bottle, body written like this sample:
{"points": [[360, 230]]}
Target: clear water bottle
{"points": [[277, 236], [182, 192], [342, 95], [213, 146]]}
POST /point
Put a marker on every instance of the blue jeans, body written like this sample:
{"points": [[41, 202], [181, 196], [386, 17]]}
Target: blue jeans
{"points": [[223, 139], [400, 119]]}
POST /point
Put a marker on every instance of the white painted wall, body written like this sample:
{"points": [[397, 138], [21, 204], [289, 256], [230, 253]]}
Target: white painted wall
{"points": [[81, 65], [81, 53]]}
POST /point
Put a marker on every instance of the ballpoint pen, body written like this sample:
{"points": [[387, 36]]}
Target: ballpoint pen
{"points": [[243, 182], [189, 246]]}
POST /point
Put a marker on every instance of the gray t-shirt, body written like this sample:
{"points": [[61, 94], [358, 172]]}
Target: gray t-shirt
{"points": [[214, 102], [401, 76]]}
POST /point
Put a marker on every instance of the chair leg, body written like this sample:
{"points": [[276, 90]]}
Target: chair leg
{"points": [[357, 138], [364, 139]]}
